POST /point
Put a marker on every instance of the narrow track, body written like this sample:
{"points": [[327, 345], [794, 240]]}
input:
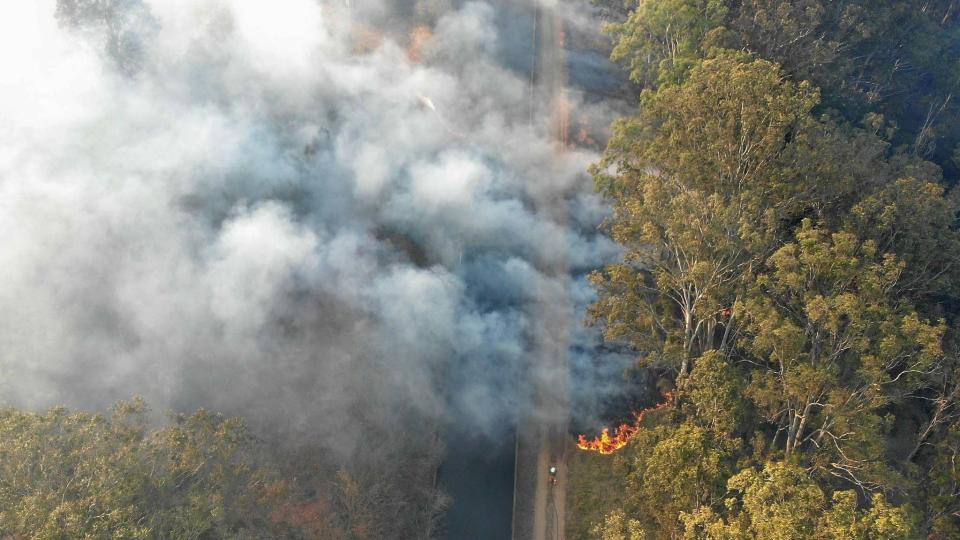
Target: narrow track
{"points": [[539, 505]]}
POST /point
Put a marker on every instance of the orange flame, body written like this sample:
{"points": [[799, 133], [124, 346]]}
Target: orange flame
{"points": [[419, 38], [607, 444]]}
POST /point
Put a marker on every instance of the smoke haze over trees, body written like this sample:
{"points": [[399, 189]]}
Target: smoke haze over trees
{"points": [[304, 213]]}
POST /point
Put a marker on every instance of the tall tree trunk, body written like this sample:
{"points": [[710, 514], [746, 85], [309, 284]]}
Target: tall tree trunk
{"points": [[687, 341], [802, 426], [791, 434], [726, 330], [928, 429]]}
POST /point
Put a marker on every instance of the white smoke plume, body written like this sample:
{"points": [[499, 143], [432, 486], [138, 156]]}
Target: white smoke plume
{"points": [[243, 205]]}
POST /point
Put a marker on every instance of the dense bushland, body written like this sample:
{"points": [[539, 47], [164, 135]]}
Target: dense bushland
{"points": [[790, 265]]}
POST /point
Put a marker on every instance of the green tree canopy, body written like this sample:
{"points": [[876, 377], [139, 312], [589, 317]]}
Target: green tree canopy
{"points": [[781, 502], [790, 261], [80, 475]]}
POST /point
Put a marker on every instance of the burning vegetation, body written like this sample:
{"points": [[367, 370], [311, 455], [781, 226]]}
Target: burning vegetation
{"points": [[419, 38], [606, 444]]}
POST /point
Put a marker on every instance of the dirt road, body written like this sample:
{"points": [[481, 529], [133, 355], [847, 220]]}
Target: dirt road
{"points": [[539, 504]]}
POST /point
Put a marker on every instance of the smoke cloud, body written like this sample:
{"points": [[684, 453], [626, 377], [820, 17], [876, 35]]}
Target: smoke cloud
{"points": [[270, 209]]}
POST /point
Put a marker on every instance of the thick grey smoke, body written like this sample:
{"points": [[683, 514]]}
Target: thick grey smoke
{"points": [[269, 209]]}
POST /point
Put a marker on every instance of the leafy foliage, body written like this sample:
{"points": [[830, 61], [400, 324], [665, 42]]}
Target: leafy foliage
{"points": [[70, 474], [893, 61], [781, 502], [794, 274]]}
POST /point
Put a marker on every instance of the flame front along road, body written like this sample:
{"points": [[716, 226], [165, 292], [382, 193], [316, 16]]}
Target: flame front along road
{"points": [[607, 444]]}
